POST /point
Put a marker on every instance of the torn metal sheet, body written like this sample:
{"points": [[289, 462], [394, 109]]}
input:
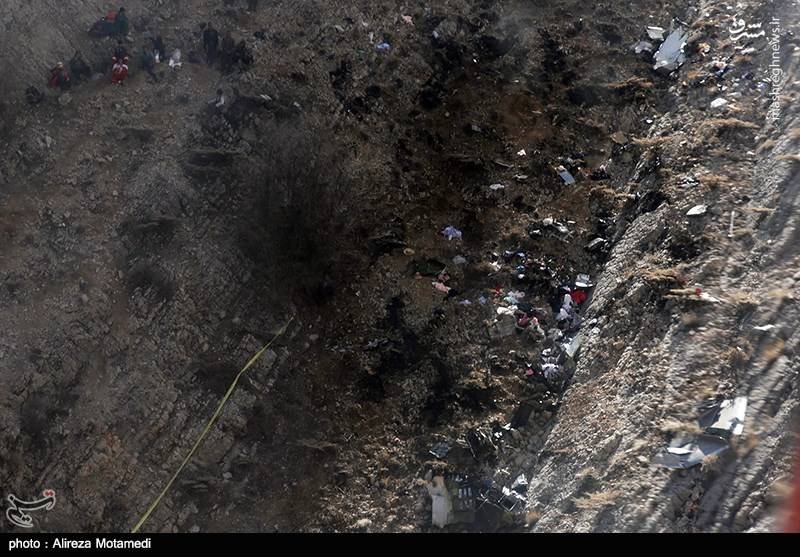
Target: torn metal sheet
{"points": [[718, 423], [681, 455], [440, 450], [656, 33], [670, 56], [597, 242], [583, 281], [764, 328], [574, 346], [566, 175], [520, 484], [725, 418]]}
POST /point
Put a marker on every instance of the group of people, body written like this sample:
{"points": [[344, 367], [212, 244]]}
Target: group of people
{"points": [[114, 24], [229, 53]]}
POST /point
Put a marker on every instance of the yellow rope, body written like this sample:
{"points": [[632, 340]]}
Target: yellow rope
{"points": [[208, 427]]}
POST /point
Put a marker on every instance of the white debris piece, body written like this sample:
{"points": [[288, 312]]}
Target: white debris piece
{"points": [[718, 103], [709, 298], [728, 418], [175, 59], [670, 54], [565, 175], [451, 232], [697, 210], [655, 33]]}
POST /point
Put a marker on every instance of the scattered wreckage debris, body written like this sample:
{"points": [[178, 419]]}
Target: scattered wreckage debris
{"points": [[566, 175], [693, 294], [670, 55], [718, 424], [697, 210]]}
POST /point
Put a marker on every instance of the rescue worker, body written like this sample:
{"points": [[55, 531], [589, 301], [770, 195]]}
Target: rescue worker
{"points": [[59, 78], [210, 43], [121, 25], [242, 54], [120, 52], [228, 52], [149, 62], [159, 50], [33, 95], [219, 101], [119, 71]]}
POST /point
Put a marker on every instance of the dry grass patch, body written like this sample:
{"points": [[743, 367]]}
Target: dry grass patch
{"points": [[668, 276], [774, 350], [710, 463], [768, 144], [532, 517], [690, 320], [632, 83], [737, 357], [780, 294], [671, 425], [647, 142], [715, 126], [598, 500], [714, 181], [759, 210], [742, 298]]}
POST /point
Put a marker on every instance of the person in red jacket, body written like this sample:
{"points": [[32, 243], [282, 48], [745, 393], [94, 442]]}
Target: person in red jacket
{"points": [[578, 296], [59, 78], [119, 71]]}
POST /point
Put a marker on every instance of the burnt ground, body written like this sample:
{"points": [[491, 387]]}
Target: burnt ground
{"points": [[143, 264]]}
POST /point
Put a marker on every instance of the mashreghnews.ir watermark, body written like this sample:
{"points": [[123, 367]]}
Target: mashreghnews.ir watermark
{"points": [[775, 70]]}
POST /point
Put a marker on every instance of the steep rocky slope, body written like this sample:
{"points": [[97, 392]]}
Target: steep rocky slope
{"points": [[135, 282]]}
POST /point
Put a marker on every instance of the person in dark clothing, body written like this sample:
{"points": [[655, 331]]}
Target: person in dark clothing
{"points": [[120, 52], [79, 68], [149, 62], [121, 24], [59, 78], [210, 43], [228, 52], [159, 49], [242, 54], [33, 95], [252, 5]]}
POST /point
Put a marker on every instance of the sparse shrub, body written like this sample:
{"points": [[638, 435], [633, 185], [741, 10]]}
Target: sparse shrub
{"points": [[711, 463]]}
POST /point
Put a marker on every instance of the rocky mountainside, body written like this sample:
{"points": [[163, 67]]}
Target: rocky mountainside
{"points": [[413, 184]]}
